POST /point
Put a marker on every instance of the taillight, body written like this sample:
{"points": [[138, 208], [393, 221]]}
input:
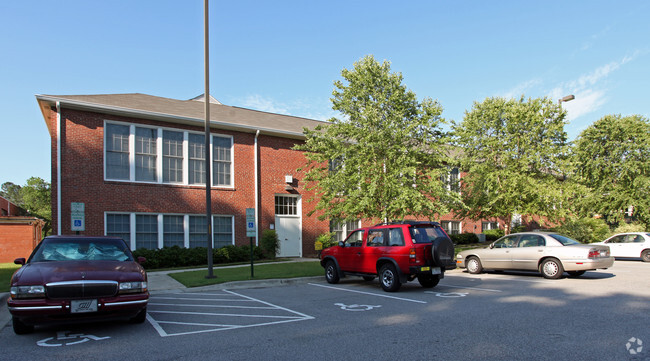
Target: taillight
{"points": [[412, 255], [595, 253]]}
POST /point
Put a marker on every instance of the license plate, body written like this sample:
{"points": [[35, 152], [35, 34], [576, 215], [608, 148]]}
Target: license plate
{"points": [[82, 306], [434, 270]]}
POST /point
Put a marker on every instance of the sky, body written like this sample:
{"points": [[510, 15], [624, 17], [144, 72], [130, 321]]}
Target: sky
{"points": [[284, 56]]}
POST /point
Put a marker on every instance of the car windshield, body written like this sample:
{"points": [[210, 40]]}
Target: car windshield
{"points": [[81, 250], [566, 241], [426, 234]]}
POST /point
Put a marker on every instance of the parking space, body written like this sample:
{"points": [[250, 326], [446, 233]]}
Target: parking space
{"points": [[177, 314]]}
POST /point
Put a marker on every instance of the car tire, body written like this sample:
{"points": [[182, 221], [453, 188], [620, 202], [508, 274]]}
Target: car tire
{"points": [[368, 278], [474, 265], [331, 273], [140, 317], [428, 281], [389, 278], [442, 252], [645, 255], [551, 268], [576, 273], [21, 328]]}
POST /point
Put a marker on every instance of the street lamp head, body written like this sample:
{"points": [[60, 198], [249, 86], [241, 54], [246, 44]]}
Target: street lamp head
{"points": [[566, 98]]}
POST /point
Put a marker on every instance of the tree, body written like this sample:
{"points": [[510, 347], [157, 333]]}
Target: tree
{"points": [[12, 193], [514, 153], [612, 158], [385, 157]]}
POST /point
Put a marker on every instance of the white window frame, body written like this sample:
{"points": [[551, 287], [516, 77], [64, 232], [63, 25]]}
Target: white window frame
{"points": [[159, 156]]}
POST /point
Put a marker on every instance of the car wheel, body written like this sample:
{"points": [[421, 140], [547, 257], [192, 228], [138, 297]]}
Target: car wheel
{"points": [[645, 255], [21, 328], [331, 273], [551, 268], [389, 278], [368, 278], [140, 317], [442, 251], [576, 273], [474, 265], [428, 281]]}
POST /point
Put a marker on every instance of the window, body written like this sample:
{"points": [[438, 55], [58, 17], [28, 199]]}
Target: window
{"points": [[452, 180], [451, 227], [146, 231], [172, 157], [506, 242], [198, 229], [196, 162], [117, 152], [355, 239], [375, 238], [395, 237], [221, 149], [173, 231], [119, 225], [531, 241], [341, 229], [222, 229], [286, 205], [158, 155], [145, 154], [486, 226]]}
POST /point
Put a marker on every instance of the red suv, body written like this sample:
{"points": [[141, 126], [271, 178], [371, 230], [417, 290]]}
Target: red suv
{"points": [[397, 252]]}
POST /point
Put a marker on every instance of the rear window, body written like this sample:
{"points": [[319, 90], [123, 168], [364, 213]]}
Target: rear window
{"points": [[426, 234], [566, 241]]}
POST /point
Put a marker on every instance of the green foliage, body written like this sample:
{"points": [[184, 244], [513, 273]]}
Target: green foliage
{"points": [[464, 238], [612, 158], [34, 198], [270, 243], [585, 230], [493, 234], [514, 153], [175, 257], [327, 239], [384, 158], [631, 227]]}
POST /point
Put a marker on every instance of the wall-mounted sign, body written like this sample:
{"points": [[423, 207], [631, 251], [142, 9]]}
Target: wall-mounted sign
{"points": [[77, 217]]}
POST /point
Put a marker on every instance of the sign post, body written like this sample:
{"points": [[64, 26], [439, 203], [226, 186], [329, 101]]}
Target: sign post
{"points": [[77, 217], [250, 232]]}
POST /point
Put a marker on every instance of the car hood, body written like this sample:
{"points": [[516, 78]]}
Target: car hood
{"points": [[46, 272]]}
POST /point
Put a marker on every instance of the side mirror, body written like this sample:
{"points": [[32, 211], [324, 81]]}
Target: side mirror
{"points": [[20, 261], [491, 245], [341, 244], [142, 260]]}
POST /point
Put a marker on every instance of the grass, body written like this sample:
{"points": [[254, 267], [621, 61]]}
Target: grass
{"points": [[261, 272], [6, 270]]}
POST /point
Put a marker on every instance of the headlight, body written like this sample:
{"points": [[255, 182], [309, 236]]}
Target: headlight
{"points": [[28, 291], [133, 287]]}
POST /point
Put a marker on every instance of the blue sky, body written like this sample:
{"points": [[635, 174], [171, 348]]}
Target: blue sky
{"points": [[283, 56]]}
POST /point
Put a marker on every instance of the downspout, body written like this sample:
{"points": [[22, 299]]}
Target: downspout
{"points": [[58, 168], [257, 197]]}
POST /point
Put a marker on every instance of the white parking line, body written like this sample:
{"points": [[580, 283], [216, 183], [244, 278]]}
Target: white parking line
{"points": [[212, 306], [470, 288], [368, 293]]}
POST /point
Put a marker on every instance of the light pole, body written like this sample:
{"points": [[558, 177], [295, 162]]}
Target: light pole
{"points": [[565, 99]]}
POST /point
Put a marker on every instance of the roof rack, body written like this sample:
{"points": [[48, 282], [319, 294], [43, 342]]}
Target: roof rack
{"points": [[406, 221]]}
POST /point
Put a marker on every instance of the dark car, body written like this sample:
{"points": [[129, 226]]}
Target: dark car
{"points": [[77, 279], [397, 252]]}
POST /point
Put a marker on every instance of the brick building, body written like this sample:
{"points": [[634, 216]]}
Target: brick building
{"points": [[19, 234], [132, 165]]}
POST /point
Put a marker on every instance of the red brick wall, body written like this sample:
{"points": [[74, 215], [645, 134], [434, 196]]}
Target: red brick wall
{"points": [[18, 240]]}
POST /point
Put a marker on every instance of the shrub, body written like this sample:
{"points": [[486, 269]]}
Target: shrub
{"points": [[630, 227], [464, 238], [327, 239], [585, 230], [493, 234], [174, 257], [270, 243]]}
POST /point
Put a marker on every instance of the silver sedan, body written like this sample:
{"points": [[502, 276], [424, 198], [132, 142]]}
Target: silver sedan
{"points": [[548, 253]]}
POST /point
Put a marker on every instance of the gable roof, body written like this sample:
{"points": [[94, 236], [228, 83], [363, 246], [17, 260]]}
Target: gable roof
{"points": [[190, 112]]}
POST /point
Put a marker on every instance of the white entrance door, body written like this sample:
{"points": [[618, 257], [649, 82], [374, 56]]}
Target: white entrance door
{"points": [[288, 230]]}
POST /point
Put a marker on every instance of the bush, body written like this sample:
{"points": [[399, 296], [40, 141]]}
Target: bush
{"points": [[493, 234], [175, 257], [630, 227], [464, 238], [585, 230], [327, 239], [270, 243]]}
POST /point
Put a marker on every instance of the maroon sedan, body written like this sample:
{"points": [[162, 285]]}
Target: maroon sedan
{"points": [[76, 279]]}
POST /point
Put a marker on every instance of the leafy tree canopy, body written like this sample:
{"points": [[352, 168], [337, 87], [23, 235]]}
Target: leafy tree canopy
{"points": [[384, 158], [34, 198], [514, 152], [612, 158]]}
